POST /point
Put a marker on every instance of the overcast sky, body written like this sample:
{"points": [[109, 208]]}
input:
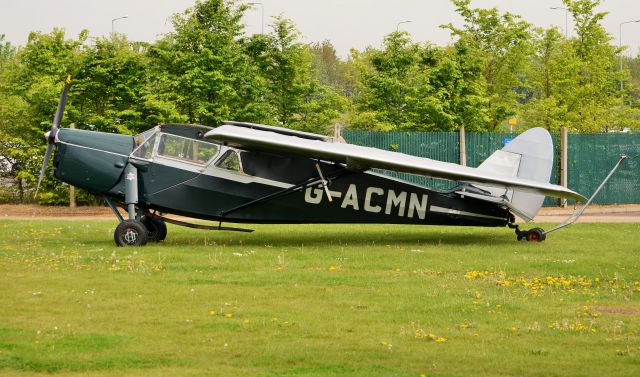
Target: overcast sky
{"points": [[347, 23]]}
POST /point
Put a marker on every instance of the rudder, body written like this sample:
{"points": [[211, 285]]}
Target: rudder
{"points": [[528, 156]]}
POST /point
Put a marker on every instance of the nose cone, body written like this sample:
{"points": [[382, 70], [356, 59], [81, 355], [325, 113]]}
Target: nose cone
{"points": [[50, 135]]}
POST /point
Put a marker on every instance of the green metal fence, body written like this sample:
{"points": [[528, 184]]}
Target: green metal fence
{"points": [[591, 157], [442, 146]]}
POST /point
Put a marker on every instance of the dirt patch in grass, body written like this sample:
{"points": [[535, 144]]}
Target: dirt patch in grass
{"points": [[617, 310], [33, 210]]}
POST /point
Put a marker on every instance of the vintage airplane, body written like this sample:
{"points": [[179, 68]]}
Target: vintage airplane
{"points": [[250, 173]]}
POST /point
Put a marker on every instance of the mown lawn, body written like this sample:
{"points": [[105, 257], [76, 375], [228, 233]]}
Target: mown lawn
{"points": [[319, 300]]}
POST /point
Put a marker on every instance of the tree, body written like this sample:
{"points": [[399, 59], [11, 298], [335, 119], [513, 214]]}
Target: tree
{"points": [[29, 91], [330, 70], [553, 84], [207, 71], [113, 89], [407, 86], [597, 90], [505, 42], [296, 96]]}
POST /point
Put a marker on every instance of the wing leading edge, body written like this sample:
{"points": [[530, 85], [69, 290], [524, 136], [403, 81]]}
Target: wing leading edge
{"points": [[361, 158]]}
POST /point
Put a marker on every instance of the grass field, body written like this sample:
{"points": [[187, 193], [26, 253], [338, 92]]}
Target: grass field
{"points": [[319, 300]]}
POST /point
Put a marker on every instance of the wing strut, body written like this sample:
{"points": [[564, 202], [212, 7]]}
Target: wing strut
{"points": [[324, 182]]}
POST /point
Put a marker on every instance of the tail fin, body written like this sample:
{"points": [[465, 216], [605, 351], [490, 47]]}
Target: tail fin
{"points": [[528, 156]]}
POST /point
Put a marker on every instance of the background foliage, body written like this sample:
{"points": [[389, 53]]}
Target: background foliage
{"points": [[208, 70]]}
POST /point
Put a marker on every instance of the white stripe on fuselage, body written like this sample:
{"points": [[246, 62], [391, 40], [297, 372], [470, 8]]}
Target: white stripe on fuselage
{"points": [[450, 211]]}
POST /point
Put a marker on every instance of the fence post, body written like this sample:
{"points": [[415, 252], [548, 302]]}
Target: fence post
{"points": [[337, 133], [72, 189], [463, 148], [564, 158]]}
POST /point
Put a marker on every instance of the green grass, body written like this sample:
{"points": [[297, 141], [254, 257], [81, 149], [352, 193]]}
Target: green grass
{"points": [[319, 300]]}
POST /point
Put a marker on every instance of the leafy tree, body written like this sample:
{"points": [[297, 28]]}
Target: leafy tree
{"points": [[113, 91], [406, 86], [505, 42], [205, 65], [553, 84], [296, 96], [330, 70], [30, 85], [597, 80]]}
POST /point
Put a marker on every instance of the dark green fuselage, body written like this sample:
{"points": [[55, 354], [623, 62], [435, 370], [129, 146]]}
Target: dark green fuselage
{"points": [[269, 188]]}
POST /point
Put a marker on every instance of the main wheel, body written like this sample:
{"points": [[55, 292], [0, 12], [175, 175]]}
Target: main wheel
{"points": [[536, 235], [130, 233], [157, 229]]}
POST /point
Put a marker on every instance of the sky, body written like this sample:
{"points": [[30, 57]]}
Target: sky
{"points": [[346, 23]]}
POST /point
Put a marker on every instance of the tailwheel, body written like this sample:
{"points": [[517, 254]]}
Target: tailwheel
{"points": [[531, 235], [157, 229], [536, 235], [130, 233]]}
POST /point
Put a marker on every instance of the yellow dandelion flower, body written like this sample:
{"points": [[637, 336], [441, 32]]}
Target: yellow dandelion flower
{"points": [[229, 315], [441, 340]]}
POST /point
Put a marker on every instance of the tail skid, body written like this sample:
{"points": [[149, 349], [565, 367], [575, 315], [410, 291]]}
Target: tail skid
{"points": [[572, 219]]}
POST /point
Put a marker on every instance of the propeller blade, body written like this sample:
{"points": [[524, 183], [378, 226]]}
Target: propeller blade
{"points": [[61, 104], [51, 135], [47, 155]]}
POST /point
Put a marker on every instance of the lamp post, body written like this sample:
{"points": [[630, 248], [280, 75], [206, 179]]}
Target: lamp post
{"points": [[620, 45], [114, 20], [566, 20], [400, 23], [262, 7]]}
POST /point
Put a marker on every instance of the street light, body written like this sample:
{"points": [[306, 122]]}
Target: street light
{"points": [[401, 22], [261, 6], [566, 20], [116, 19], [620, 45]]}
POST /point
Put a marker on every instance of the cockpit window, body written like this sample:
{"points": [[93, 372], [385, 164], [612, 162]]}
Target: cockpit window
{"points": [[186, 149], [230, 161], [145, 149]]}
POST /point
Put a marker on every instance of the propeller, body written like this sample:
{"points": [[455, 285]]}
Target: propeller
{"points": [[51, 134]]}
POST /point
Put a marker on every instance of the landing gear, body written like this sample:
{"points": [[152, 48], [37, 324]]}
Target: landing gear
{"points": [[536, 235], [531, 235], [157, 229], [130, 233]]}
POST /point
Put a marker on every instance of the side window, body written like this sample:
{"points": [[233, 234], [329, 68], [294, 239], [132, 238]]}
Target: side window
{"points": [[230, 161], [185, 149], [203, 152], [146, 149]]}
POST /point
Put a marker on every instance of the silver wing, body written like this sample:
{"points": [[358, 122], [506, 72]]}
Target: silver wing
{"points": [[362, 158]]}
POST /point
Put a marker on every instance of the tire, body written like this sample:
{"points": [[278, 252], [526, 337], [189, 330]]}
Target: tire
{"points": [[157, 229], [130, 233], [536, 235]]}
